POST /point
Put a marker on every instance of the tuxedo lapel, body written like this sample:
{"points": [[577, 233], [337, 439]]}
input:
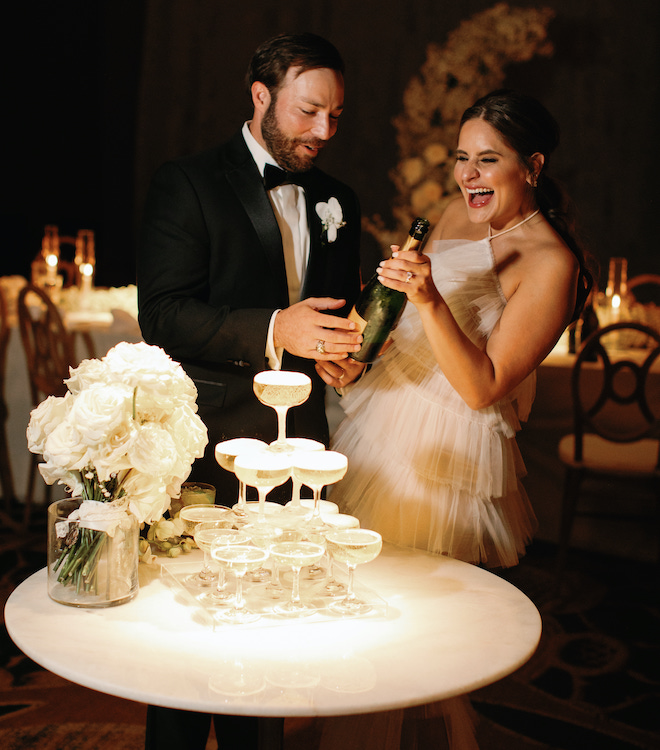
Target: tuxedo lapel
{"points": [[248, 186], [317, 248]]}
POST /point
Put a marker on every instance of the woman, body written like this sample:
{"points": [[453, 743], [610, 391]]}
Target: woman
{"points": [[429, 430]]}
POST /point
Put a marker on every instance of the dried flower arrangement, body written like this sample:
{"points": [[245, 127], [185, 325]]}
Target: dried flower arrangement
{"points": [[471, 63]]}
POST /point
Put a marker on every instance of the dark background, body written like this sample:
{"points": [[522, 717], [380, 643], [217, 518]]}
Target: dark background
{"points": [[98, 93]]}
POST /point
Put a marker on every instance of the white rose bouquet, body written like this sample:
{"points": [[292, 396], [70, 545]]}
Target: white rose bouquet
{"points": [[123, 439]]}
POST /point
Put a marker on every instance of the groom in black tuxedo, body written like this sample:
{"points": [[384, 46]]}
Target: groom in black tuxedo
{"points": [[239, 272], [236, 276]]}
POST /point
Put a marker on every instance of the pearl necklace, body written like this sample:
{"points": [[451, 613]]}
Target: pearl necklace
{"points": [[510, 229]]}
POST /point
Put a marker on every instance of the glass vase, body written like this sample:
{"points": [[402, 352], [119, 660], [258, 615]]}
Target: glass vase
{"points": [[88, 567]]}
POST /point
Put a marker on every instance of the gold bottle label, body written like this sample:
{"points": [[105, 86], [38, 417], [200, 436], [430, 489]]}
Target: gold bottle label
{"points": [[360, 321]]}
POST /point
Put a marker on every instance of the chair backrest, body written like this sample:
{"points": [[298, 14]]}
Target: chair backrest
{"points": [[645, 287], [616, 391], [4, 343], [48, 346]]}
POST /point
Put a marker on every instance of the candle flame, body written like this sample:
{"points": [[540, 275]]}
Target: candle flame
{"points": [[86, 269], [51, 260], [616, 301]]}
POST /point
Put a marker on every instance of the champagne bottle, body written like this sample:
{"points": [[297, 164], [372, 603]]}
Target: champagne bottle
{"points": [[378, 308]]}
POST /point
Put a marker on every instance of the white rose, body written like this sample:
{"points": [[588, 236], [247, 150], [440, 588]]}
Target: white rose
{"points": [[64, 447], [43, 419], [89, 372], [189, 433], [111, 455], [153, 451], [101, 410], [147, 497], [162, 383]]}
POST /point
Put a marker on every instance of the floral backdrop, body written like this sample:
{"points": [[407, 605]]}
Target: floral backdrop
{"points": [[471, 63]]}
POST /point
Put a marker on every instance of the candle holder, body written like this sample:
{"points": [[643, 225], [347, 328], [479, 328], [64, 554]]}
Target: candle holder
{"points": [[617, 288]]}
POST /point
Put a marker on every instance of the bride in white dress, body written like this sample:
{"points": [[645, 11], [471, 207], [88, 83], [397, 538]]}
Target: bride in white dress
{"points": [[430, 429]]}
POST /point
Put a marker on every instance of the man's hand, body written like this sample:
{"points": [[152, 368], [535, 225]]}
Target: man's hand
{"points": [[305, 331], [339, 374]]}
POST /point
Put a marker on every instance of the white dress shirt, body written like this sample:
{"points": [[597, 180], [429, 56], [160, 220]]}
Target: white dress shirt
{"points": [[290, 207]]}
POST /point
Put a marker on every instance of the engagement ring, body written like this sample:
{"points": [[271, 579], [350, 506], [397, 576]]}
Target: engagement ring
{"points": [[320, 346], [409, 276]]}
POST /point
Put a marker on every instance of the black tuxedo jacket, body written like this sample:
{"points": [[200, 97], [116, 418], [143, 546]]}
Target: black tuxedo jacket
{"points": [[210, 274]]}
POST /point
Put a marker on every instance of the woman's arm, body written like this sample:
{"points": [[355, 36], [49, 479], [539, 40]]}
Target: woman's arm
{"points": [[537, 311]]}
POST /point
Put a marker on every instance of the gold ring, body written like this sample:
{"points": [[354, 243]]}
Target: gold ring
{"points": [[320, 346], [409, 276], [342, 375]]}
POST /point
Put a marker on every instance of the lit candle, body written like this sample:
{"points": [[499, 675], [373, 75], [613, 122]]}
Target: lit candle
{"points": [[51, 269], [86, 273], [616, 308]]}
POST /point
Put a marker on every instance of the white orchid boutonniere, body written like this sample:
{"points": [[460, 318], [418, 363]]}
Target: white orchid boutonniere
{"points": [[332, 218]]}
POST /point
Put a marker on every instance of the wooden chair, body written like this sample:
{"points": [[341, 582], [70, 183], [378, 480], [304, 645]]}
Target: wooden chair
{"points": [[645, 287], [49, 352], [6, 475], [616, 423]]}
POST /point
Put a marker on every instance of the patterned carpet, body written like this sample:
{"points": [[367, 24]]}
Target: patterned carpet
{"points": [[593, 684]]}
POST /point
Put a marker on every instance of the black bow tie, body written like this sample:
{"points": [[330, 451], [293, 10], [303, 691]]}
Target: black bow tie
{"points": [[274, 177]]}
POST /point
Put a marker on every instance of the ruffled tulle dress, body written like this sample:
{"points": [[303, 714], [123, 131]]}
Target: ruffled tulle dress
{"points": [[424, 469]]}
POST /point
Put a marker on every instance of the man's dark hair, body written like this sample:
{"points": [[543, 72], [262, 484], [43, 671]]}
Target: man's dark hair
{"points": [[273, 58]]}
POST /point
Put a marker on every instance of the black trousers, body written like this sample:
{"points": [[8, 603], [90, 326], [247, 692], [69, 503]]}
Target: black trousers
{"points": [[174, 729]]}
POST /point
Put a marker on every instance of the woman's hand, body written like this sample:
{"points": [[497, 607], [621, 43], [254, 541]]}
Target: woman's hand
{"points": [[409, 272], [341, 373]]}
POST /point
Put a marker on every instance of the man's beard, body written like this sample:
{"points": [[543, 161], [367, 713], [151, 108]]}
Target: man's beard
{"points": [[282, 148]]}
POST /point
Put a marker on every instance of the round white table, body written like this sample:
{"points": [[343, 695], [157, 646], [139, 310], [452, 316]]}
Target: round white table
{"points": [[449, 628]]}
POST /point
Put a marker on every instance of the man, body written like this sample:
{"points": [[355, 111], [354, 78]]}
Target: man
{"points": [[235, 276]]}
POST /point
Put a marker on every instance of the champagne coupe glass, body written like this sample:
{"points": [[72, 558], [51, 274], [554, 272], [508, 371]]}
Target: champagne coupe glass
{"points": [[263, 471], [317, 469], [337, 521], [204, 534], [239, 559], [315, 535], [300, 444], [225, 454], [261, 535], [353, 547], [192, 515], [296, 555], [274, 586], [223, 538], [281, 389]]}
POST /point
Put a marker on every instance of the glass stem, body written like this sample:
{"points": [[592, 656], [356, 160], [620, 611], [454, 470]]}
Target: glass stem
{"points": [[240, 602], [206, 571], [262, 504], [316, 514], [242, 496], [295, 590], [295, 493], [221, 581], [350, 596], [281, 423]]}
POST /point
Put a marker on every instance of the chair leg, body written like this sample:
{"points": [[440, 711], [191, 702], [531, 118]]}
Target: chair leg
{"points": [[572, 483], [6, 476], [29, 494]]}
